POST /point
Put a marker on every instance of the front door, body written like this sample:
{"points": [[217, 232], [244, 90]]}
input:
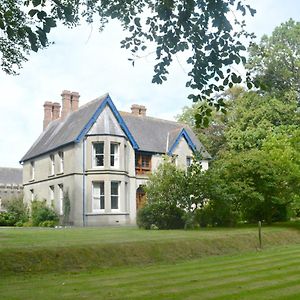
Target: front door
{"points": [[140, 198]]}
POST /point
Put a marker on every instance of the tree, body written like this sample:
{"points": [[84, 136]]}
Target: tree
{"points": [[201, 28], [276, 59], [263, 183], [253, 116]]}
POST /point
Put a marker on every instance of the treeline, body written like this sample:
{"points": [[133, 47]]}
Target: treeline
{"points": [[255, 171]]}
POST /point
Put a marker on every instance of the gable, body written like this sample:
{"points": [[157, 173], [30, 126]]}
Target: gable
{"points": [[182, 148], [183, 139], [106, 123]]}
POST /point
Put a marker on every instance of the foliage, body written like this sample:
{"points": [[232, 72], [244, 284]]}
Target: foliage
{"points": [[262, 183], [161, 215], [16, 212], [276, 59], [8, 218], [40, 213], [202, 29], [17, 206], [254, 116]]}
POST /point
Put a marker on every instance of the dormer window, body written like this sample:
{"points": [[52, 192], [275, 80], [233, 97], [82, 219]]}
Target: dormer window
{"points": [[114, 155], [98, 154]]}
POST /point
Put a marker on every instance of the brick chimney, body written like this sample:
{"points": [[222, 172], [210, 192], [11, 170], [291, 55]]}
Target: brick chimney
{"points": [[66, 103], [138, 110], [47, 114], [74, 101], [55, 111]]}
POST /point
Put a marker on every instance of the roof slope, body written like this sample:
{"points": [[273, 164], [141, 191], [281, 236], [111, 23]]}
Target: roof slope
{"points": [[61, 132], [157, 135], [145, 133], [11, 176]]}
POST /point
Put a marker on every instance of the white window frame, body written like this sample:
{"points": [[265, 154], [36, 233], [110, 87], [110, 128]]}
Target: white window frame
{"points": [[32, 195], [52, 164], [115, 155], [61, 161], [115, 195], [94, 163], [97, 197], [190, 159], [51, 193], [61, 199], [32, 172]]}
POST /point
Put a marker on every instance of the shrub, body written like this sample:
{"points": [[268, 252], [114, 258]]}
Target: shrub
{"points": [[162, 215], [48, 224], [17, 211], [40, 212], [8, 218]]}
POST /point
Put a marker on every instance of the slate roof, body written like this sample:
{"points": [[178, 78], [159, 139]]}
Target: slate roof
{"points": [[150, 134], [157, 135], [63, 132], [11, 176]]}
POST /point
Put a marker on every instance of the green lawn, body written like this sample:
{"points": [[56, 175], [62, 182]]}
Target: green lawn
{"points": [[269, 274], [128, 263]]}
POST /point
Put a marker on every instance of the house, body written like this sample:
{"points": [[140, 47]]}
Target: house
{"points": [[101, 157], [10, 184]]}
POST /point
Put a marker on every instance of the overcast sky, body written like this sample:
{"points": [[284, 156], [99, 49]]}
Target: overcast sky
{"points": [[92, 64]]}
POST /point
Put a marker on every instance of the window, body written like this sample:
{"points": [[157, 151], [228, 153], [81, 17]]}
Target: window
{"points": [[98, 154], [51, 192], [32, 194], [61, 161], [114, 155], [114, 191], [32, 170], [61, 199], [52, 164], [98, 196], [188, 161], [142, 163]]}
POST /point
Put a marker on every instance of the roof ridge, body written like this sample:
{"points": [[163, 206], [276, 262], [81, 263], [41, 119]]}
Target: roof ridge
{"points": [[153, 118]]}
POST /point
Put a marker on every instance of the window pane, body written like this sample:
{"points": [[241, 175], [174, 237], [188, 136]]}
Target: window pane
{"points": [[99, 147], [100, 160], [113, 148], [102, 202], [114, 188], [112, 160], [114, 202]]}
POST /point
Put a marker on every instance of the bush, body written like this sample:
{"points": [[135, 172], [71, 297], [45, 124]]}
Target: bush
{"points": [[16, 212], [40, 212], [48, 224], [8, 218], [203, 217], [162, 215]]}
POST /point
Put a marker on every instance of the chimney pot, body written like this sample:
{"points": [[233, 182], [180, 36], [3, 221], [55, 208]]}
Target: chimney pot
{"points": [[55, 110]]}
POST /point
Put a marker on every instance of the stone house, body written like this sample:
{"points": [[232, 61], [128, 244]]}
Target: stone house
{"points": [[102, 157]]}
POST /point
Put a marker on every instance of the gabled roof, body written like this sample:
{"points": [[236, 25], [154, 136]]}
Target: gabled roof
{"points": [[144, 133], [74, 127], [157, 135], [11, 176]]}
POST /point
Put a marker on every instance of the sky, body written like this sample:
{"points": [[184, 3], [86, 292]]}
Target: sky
{"points": [[92, 63]]}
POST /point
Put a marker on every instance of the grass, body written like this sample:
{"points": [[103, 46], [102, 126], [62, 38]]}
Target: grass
{"points": [[34, 250], [269, 274], [128, 263]]}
